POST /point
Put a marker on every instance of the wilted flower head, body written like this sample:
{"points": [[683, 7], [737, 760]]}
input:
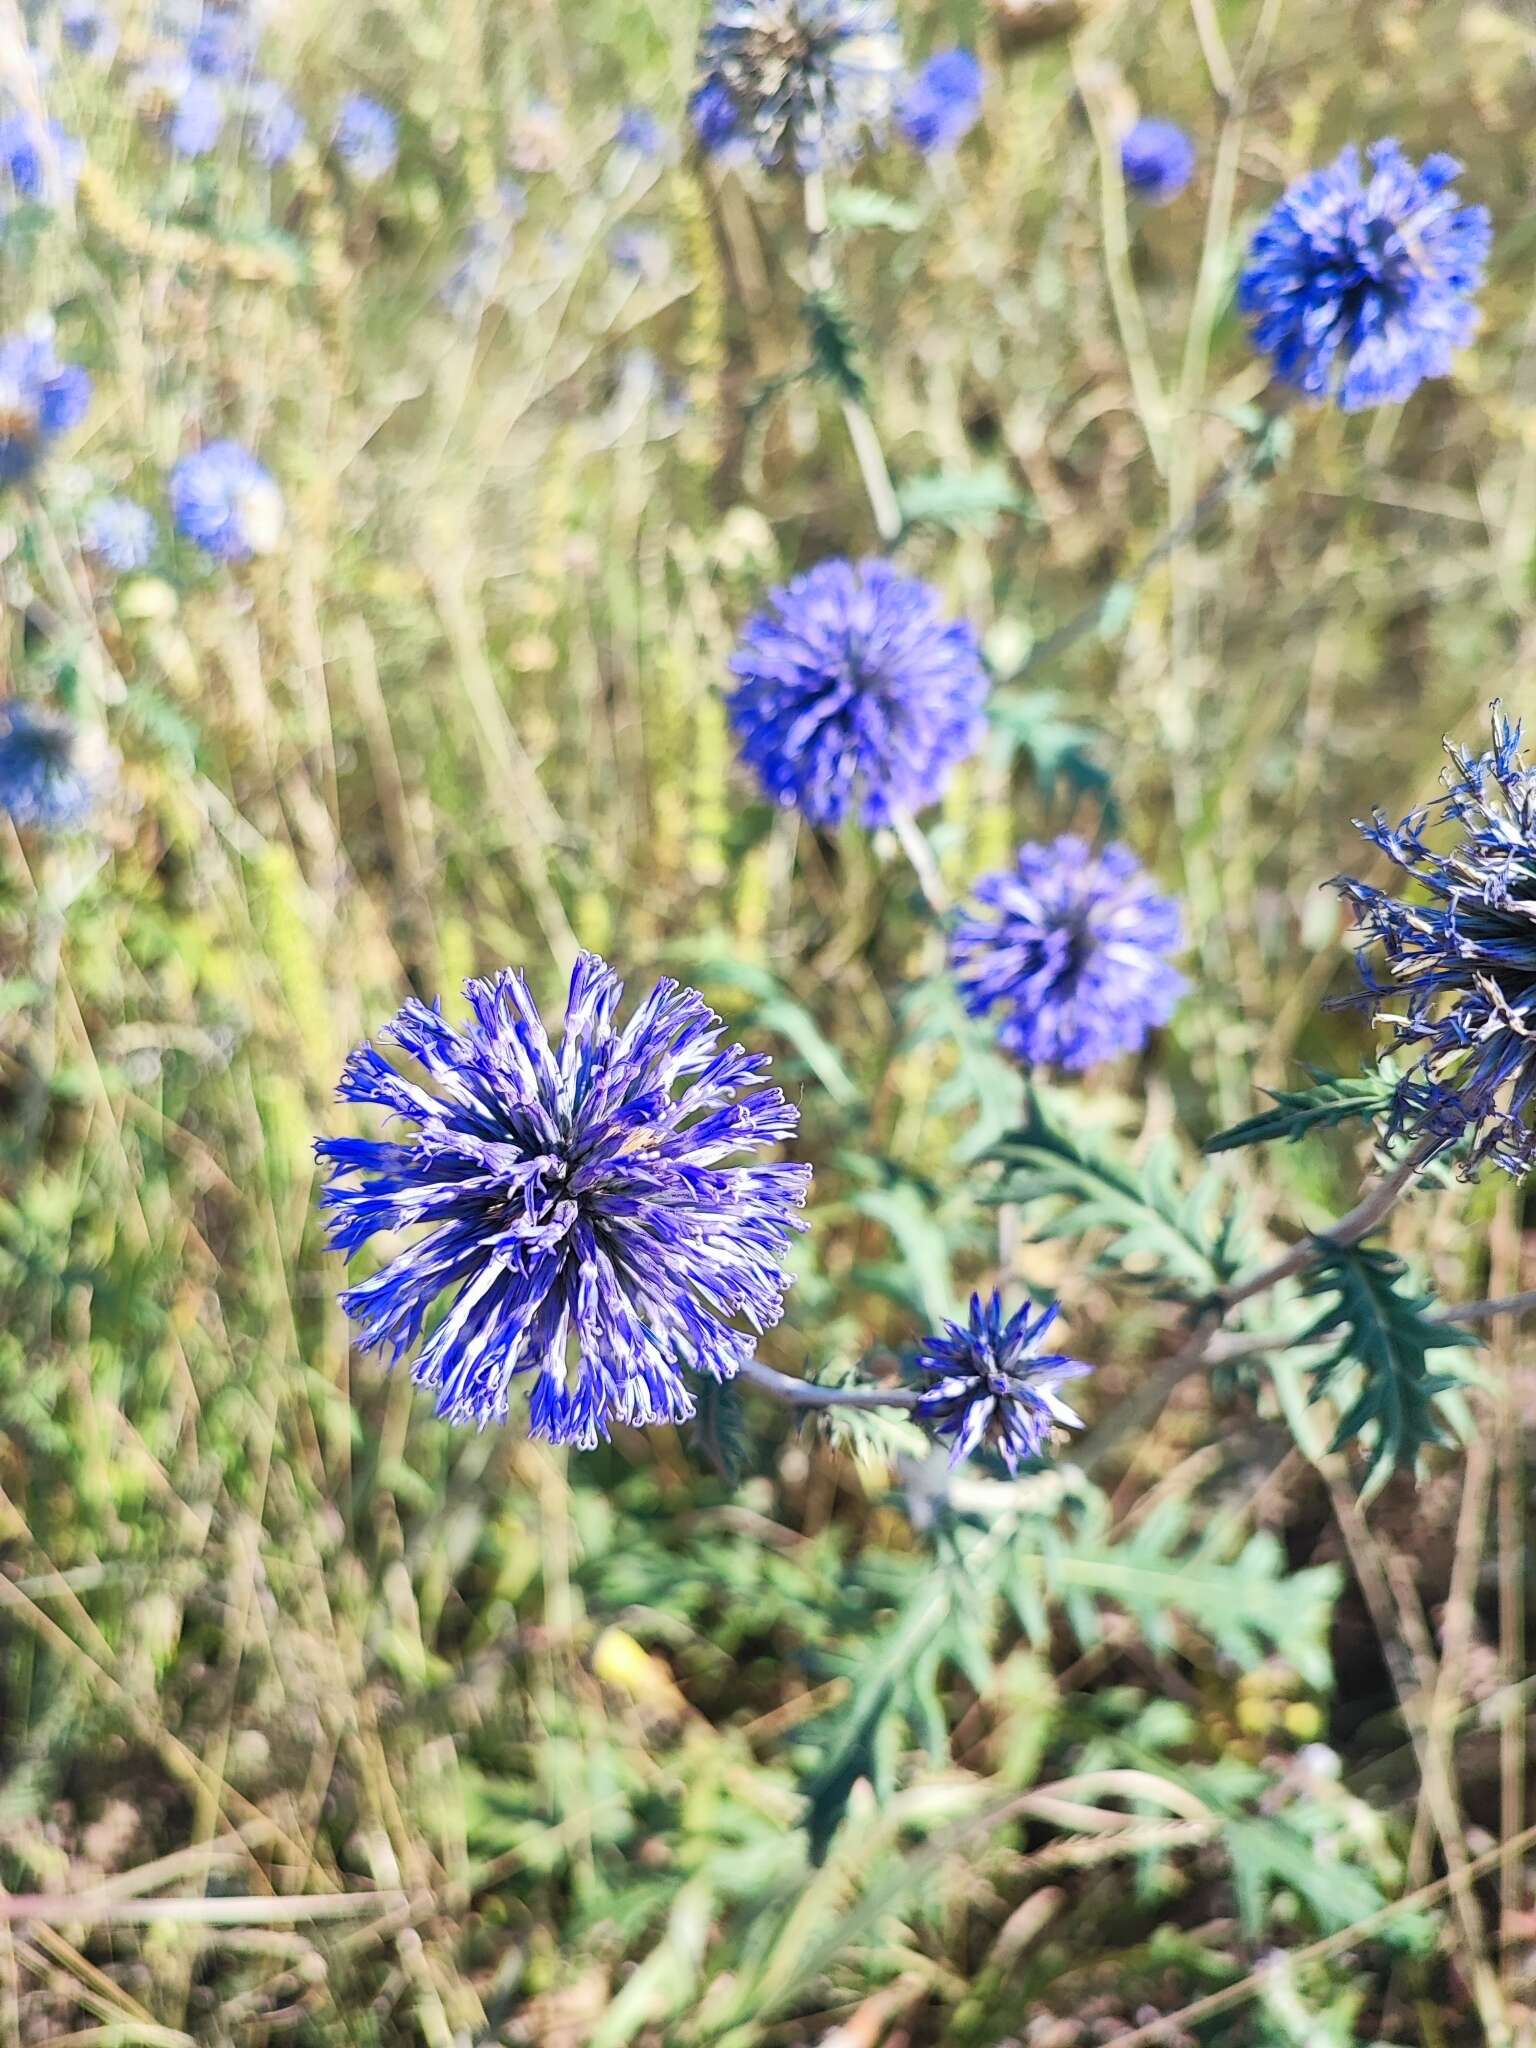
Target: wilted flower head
{"points": [[367, 138], [803, 78], [272, 125], [36, 165], [989, 1385], [1157, 160], [120, 533], [1073, 946], [224, 500], [942, 104], [580, 1223], [853, 685], [40, 398], [1459, 988], [1361, 287], [50, 774]]}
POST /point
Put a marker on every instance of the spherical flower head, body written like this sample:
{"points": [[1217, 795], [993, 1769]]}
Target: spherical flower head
{"points": [[580, 1221], [640, 131], [119, 533], [40, 398], [1360, 287], [804, 79], [853, 686], [989, 1385], [1450, 968], [942, 104], [272, 125], [50, 775], [366, 138], [37, 166], [1157, 160], [716, 121], [224, 500], [1073, 947]]}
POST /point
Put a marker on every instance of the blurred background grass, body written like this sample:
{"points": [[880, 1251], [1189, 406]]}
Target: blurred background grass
{"points": [[259, 1613]]}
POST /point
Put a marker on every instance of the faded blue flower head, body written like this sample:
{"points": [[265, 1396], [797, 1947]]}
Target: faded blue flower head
{"points": [[220, 45], [1457, 990], [640, 131], [1073, 946], [89, 30], [367, 138], [1361, 287], [853, 685], [1157, 160], [641, 253], [198, 112], [224, 500], [580, 1223], [120, 533], [942, 104], [272, 125], [50, 776], [988, 1385], [803, 78], [40, 398], [467, 289], [37, 167]]}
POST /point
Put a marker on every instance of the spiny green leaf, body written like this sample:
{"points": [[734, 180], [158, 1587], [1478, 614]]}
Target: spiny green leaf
{"points": [[1332, 1099], [834, 345], [1386, 1337], [960, 499], [719, 1428], [1060, 749], [1156, 1229]]}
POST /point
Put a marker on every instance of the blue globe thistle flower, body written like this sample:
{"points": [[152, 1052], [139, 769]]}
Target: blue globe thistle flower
{"points": [[220, 45], [853, 684], [1361, 287], [224, 500], [273, 127], [50, 776], [40, 398], [640, 131], [1157, 160], [716, 121], [35, 169], [803, 78], [1458, 992], [1073, 946], [989, 1385], [942, 104], [89, 30], [366, 138], [581, 1224], [120, 533], [199, 110]]}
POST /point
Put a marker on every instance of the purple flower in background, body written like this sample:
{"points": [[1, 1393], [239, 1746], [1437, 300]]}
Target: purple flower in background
{"points": [[988, 1385], [198, 113], [579, 1221], [367, 138], [852, 686], [45, 168], [40, 398], [467, 289], [89, 30], [1459, 989], [641, 253], [1073, 947], [1157, 160], [224, 500], [803, 78], [1361, 287], [120, 533], [50, 776], [640, 131], [220, 45], [942, 104], [272, 125]]}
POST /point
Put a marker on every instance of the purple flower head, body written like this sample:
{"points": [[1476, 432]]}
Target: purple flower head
{"points": [[40, 398], [640, 131], [1157, 160], [853, 685], [36, 167], [1361, 287], [716, 122], [198, 113], [89, 30], [942, 104], [220, 45], [50, 776], [1454, 979], [988, 1384], [272, 125], [1074, 947], [802, 78], [579, 1222], [224, 500], [119, 533], [366, 138]]}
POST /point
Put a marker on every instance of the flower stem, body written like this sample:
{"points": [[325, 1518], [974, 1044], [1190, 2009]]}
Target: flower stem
{"points": [[807, 1394]]}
